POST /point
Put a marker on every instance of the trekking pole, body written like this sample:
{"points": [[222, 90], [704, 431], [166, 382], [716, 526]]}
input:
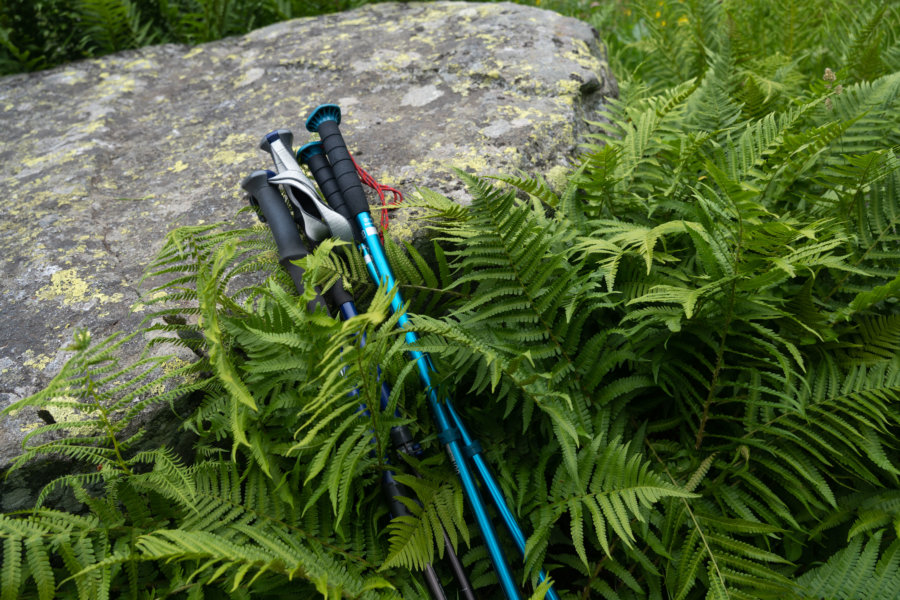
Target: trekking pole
{"points": [[313, 156], [325, 121], [268, 200], [278, 145]]}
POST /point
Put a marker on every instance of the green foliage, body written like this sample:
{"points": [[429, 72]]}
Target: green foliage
{"points": [[683, 364], [37, 34]]}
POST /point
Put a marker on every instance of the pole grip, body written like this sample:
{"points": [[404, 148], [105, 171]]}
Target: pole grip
{"points": [[313, 156], [325, 121], [281, 224]]}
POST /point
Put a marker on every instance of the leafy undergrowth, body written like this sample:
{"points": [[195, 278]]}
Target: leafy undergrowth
{"points": [[683, 364]]}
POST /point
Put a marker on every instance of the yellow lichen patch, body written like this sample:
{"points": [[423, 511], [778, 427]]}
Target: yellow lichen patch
{"points": [[92, 126], [65, 284], [62, 155], [38, 362], [178, 167], [140, 306], [194, 52], [353, 22], [141, 63], [581, 54], [73, 76], [226, 155], [463, 158], [105, 299], [112, 85], [170, 366], [519, 116], [67, 409]]}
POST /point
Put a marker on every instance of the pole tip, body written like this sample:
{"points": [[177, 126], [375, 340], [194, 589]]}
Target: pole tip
{"points": [[308, 150], [325, 112]]}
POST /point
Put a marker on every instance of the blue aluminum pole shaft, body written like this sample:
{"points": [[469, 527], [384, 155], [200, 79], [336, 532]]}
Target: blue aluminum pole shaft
{"points": [[494, 489], [424, 366], [385, 276]]}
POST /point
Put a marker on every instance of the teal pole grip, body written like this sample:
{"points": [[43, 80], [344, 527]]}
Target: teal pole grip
{"points": [[325, 121]]}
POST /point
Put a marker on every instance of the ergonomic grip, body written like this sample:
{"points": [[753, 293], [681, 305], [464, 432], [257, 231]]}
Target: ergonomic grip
{"points": [[278, 218], [325, 121], [282, 161]]}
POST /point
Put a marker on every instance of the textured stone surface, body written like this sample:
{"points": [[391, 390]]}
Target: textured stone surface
{"points": [[99, 159]]}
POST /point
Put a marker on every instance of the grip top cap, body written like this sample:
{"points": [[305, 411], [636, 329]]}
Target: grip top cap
{"points": [[325, 112], [308, 150], [256, 180], [284, 135]]}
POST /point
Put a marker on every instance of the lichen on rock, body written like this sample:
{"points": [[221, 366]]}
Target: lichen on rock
{"points": [[101, 158]]}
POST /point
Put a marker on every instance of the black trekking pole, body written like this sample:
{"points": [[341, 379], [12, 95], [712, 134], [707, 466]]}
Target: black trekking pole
{"points": [[272, 210], [460, 445]]}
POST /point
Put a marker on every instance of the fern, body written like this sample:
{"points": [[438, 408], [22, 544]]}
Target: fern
{"points": [[857, 571], [682, 361], [113, 25]]}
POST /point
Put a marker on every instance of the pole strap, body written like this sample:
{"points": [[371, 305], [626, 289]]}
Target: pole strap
{"points": [[472, 449], [451, 434]]}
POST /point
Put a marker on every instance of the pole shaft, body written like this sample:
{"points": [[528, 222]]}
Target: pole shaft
{"points": [[382, 268]]}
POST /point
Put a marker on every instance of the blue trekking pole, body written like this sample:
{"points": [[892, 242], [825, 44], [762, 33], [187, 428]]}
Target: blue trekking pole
{"points": [[336, 170], [272, 210]]}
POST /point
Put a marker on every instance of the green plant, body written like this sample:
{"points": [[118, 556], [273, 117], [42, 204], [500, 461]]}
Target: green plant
{"points": [[40, 34], [684, 363]]}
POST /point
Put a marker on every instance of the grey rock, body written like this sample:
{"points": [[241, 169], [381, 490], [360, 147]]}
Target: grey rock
{"points": [[99, 159]]}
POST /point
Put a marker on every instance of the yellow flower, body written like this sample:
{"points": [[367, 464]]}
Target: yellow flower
{"points": [[627, 12], [658, 14], [663, 23], [683, 20]]}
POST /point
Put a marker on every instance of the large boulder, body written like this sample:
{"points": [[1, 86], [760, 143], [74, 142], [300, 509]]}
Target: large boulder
{"points": [[100, 158]]}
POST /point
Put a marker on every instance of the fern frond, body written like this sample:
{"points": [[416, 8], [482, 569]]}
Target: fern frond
{"points": [[857, 571]]}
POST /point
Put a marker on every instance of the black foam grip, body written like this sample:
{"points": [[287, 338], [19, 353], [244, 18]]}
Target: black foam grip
{"points": [[324, 176], [278, 218], [271, 203], [343, 168]]}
